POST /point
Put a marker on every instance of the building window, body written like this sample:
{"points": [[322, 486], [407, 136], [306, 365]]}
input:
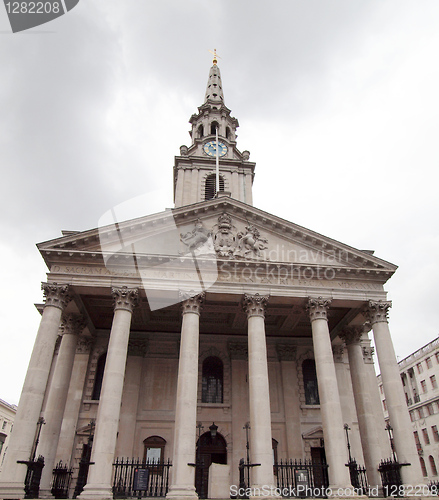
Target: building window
{"points": [[418, 443], [200, 131], [426, 438], [213, 127], [384, 405], [381, 389], [437, 357], [419, 367], [2, 442], [424, 386], [154, 449], [5, 423], [210, 186], [424, 469], [212, 380], [420, 413], [310, 382], [412, 416], [432, 465], [435, 433], [428, 362], [99, 377], [433, 381], [274, 444], [429, 409]]}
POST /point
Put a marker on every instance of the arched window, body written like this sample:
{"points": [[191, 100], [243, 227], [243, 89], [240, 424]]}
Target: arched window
{"points": [[432, 465], [212, 380], [200, 131], [210, 186], [99, 377], [213, 127], [310, 382], [227, 133], [424, 469], [154, 449]]}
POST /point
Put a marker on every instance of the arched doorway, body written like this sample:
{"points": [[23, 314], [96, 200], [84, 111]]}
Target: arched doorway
{"points": [[209, 450]]}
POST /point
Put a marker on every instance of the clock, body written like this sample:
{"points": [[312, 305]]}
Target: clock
{"points": [[210, 148]]}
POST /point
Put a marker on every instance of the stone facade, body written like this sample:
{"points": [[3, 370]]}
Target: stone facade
{"points": [[420, 378], [7, 415], [207, 333]]}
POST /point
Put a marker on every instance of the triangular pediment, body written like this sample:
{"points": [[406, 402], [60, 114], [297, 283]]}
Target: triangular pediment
{"points": [[222, 228]]}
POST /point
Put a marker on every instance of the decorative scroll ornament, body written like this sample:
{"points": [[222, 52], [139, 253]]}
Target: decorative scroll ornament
{"points": [[191, 302], [251, 243], [224, 236], [352, 334], [56, 295], [337, 352], [377, 312], [137, 347], [286, 352], [199, 240], [318, 308], [368, 354], [255, 305], [84, 344], [238, 350], [72, 324], [125, 298]]}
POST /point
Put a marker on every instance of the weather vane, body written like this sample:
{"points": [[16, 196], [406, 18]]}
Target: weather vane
{"points": [[215, 56]]}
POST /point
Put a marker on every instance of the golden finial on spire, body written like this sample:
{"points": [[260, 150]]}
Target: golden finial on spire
{"points": [[215, 56]]}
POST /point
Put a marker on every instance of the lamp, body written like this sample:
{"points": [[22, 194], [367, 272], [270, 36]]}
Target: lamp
{"points": [[213, 430]]}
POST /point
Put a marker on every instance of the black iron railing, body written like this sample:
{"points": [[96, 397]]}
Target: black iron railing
{"points": [[391, 480], [33, 476], [302, 478], [135, 478], [61, 477], [358, 477]]}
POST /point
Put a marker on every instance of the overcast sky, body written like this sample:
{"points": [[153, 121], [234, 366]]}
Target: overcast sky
{"points": [[337, 102]]}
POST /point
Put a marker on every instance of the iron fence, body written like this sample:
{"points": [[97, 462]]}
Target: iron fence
{"points": [[358, 476], [136, 478], [302, 478], [33, 476], [61, 477], [391, 480]]}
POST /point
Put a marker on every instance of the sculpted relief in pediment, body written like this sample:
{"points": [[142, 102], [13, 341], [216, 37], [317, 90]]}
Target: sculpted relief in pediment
{"points": [[225, 240]]}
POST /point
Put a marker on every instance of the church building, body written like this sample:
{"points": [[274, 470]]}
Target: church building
{"points": [[212, 340]]}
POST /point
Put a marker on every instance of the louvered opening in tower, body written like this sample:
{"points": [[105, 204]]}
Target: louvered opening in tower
{"points": [[210, 186]]}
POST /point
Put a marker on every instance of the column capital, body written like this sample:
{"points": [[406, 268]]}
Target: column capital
{"points": [[137, 347], [72, 324], [125, 298], [56, 295], [286, 352], [351, 334], [84, 344], [191, 303], [238, 350], [255, 305], [318, 308], [377, 311]]}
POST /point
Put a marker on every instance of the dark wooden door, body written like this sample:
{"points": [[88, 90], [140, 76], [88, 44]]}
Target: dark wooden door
{"points": [[209, 450]]}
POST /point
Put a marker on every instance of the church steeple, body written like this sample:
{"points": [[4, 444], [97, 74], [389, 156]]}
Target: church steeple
{"points": [[194, 169]]}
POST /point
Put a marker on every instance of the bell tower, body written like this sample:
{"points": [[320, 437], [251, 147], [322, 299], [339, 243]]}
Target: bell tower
{"points": [[213, 135]]}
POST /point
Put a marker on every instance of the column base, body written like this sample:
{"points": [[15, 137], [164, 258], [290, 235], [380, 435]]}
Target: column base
{"points": [[182, 493], [96, 492], [11, 490], [45, 493]]}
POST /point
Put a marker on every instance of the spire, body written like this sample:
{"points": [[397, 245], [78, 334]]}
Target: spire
{"points": [[214, 90]]}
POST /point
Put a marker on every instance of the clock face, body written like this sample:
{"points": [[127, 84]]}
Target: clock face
{"points": [[210, 148]]}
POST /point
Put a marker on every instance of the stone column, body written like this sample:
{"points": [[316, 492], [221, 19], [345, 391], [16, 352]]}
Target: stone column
{"points": [[183, 475], [398, 413], [363, 403], [107, 422], [261, 450], [71, 326], [25, 424], [137, 349], [330, 407], [290, 387], [74, 399]]}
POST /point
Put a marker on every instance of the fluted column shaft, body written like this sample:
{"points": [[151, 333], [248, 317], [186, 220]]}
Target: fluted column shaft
{"points": [[363, 404], [261, 449], [393, 390], [71, 326], [183, 475], [330, 407], [25, 424], [107, 422]]}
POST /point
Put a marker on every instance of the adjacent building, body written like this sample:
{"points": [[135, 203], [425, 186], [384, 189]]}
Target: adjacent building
{"points": [[420, 378], [7, 415], [178, 335]]}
